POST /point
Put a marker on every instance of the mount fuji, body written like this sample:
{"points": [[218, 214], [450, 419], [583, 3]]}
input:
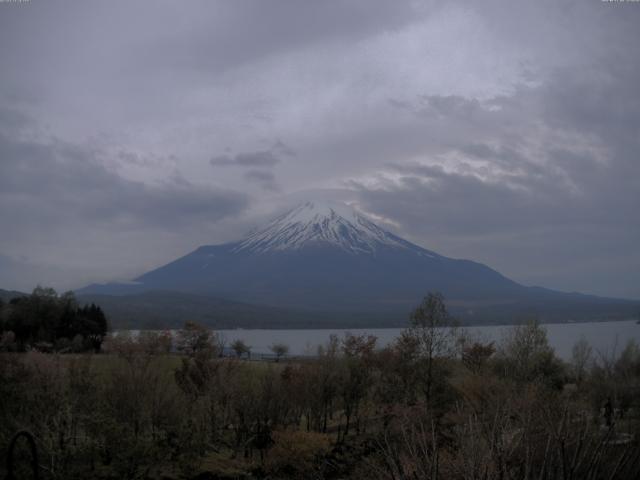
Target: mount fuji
{"points": [[327, 257]]}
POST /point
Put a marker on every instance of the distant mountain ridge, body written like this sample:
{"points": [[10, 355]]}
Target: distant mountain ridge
{"points": [[328, 257], [6, 295]]}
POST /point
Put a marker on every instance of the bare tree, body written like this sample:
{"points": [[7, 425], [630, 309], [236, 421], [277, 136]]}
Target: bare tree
{"points": [[196, 339], [356, 379], [409, 450], [525, 354], [434, 330], [476, 355], [581, 355], [279, 350]]}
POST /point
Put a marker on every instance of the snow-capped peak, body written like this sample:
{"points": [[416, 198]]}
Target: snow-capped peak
{"points": [[317, 224]]}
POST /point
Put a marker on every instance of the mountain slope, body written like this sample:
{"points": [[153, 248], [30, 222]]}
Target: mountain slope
{"points": [[328, 257]]}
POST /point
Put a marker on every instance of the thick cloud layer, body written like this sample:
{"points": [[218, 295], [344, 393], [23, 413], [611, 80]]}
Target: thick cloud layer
{"points": [[509, 134]]}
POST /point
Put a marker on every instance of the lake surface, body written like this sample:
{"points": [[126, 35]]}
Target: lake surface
{"points": [[604, 337]]}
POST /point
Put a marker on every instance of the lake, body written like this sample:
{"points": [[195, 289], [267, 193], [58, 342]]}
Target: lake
{"points": [[604, 337]]}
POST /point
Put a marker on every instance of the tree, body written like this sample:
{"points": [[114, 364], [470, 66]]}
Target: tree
{"points": [[525, 355], [398, 373], [195, 339], [581, 355], [476, 355], [358, 351], [433, 330], [8, 341], [92, 324], [2, 313], [46, 319], [155, 343], [279, 350], [240, 348], [361, 346]]}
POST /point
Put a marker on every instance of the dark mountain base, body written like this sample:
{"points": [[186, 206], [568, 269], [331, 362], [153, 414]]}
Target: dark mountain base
{"points": [[167, 309]]}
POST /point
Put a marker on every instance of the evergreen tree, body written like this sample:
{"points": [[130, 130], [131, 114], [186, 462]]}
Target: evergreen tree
{"points": [[45, 319]]}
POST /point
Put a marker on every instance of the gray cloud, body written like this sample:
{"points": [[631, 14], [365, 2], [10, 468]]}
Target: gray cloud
{"points": [[261, 158], [270, 28], [58, 181], [55, 196], [23, 275], [283, 149], [265, 158], [266, 180], [555, 175]]}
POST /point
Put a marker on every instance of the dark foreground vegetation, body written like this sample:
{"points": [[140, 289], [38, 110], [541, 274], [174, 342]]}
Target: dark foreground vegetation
{"points": [[435, 404]]}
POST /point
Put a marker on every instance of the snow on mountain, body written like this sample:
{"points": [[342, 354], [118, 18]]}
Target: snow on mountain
{"points": [[321, 224]]}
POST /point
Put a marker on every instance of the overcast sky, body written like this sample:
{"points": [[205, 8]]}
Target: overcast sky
{"points": [[503, 132]]}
